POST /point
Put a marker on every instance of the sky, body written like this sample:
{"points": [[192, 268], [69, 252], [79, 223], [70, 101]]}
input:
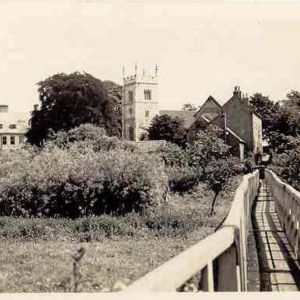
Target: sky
{"points": [[201, 48]]}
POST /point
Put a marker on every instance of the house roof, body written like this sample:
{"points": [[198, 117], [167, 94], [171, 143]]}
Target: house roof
{"points": [[187, 115], [235, 135], [210, 98]]}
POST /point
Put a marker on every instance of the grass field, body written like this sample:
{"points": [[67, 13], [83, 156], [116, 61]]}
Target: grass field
{"points": [[36, 254]]}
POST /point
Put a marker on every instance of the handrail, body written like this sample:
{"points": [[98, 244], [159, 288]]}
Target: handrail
{"points": [[221, 255], [287, 207]]}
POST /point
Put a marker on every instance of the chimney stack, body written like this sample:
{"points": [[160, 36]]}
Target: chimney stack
{"points": [[237, 92]]}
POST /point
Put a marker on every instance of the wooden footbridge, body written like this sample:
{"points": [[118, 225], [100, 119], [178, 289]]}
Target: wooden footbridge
{"points": [[265, 208]]}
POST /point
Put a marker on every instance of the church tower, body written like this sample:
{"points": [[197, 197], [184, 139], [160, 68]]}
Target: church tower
{"points": [[139, 104]]}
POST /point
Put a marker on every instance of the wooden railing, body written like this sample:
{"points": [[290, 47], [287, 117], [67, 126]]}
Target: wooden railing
{"points": [[220, 259], [287, 207]]}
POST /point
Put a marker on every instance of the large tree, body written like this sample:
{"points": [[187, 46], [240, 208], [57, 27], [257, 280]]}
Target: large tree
{"points": [[66, 101], [267, 109], [167, 128]]}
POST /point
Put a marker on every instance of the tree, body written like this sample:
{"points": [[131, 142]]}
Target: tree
{"points": [[167, 128], [207, 145], [266, 108], [210, 155], [189, 107], [115, 97], [66, 101], [217, 173]]}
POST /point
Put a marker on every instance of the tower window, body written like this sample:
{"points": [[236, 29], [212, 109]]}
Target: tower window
{"points": [[12, 140], [147, 94], [147, 113], [130, 96]]}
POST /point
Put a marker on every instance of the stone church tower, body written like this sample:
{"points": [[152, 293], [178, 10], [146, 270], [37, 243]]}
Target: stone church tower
{"points": [[139, 104]]}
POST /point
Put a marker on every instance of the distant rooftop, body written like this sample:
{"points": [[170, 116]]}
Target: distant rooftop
{"points": [[187, 115]]}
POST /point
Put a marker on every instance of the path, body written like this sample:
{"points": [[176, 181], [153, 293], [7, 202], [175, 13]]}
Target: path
{"points": [[279, 270]]}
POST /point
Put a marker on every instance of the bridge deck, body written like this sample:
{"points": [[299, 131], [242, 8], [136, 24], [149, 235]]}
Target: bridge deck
{"points": [[279, 270]]}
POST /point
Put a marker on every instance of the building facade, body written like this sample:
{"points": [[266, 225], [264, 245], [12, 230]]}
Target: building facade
{"points": [[139, 104], [13, 127]]}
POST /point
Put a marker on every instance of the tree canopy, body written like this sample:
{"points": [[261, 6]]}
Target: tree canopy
{"points": [[266, 108], [189, 107], [167, 128], [67, 101]]}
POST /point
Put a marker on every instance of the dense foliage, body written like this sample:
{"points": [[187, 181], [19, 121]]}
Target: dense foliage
{"points": [[79, 181], [167, 128], [207, 160], [66, 101]]}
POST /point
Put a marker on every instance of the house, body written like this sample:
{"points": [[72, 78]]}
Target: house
{"points": [[241, 125], [13, 127]]}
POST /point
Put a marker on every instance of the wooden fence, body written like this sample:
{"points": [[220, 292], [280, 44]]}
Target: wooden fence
{"points": [[287, 207], [220, 259]]}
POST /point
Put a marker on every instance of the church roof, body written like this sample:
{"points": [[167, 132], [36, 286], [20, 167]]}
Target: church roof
{"points": [[188, 116]]}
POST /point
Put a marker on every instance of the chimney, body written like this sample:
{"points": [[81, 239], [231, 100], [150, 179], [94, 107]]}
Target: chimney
{"points": [[3, 108], [35, 107], [237, 92]]}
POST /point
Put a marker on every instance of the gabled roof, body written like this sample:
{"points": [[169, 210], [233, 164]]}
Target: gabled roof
{"points": [[210, 98], [187, 115]]}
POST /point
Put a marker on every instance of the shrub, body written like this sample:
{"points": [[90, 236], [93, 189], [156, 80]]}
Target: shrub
{"points": [[183, 179], [87, 136], [173, 155], [78, 181]]}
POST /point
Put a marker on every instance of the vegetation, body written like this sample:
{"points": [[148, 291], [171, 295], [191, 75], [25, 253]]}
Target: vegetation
{"points": [[281, 124], [189, 107], [78, 181], [167, 128], [66, 101], [38, 253]]}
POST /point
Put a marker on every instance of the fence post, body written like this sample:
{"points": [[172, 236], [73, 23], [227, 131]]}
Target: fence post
{"points": [[227, 271], [207, 278]]}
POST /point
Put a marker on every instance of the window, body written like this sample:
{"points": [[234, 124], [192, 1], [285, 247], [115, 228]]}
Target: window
{"points": [[12, 126], [12, 140], [1, 126], [147, 94], [130, 96], [4, 140], [130, 111], [147, 113]]}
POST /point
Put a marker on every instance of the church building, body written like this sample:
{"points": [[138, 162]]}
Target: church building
{"points": [[241, 125]]}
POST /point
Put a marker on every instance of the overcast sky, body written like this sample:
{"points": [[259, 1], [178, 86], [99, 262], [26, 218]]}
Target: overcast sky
{"points": [[201, 49]]}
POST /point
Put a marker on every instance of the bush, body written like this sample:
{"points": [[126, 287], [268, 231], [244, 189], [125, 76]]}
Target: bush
{"points": [[183, 179], [173, 155], [87, 136], [78, 181]]}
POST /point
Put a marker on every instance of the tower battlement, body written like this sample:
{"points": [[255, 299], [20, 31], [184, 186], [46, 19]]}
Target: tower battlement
{"points": [[142, 77]]}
